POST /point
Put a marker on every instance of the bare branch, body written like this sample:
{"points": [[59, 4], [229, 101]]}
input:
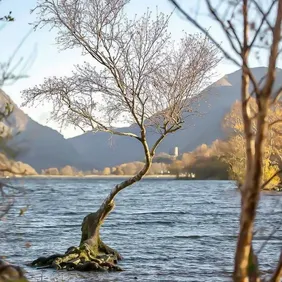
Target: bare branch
{"points": [[263, 20], [154, 147], [206, 32], [269, 180], [12, 70], [133, 82], [264, 14], [225, 28]]}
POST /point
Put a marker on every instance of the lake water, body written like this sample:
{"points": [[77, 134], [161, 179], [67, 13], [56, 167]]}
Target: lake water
{"points": [[166, 230]]}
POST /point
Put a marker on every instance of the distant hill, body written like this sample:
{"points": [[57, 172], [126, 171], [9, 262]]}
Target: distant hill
{"points": [[43, 147], [38, 145], [106, 150]]}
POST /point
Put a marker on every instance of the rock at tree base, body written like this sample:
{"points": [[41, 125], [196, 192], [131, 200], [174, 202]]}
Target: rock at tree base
{"points": [[81, 259], [92, 254]]}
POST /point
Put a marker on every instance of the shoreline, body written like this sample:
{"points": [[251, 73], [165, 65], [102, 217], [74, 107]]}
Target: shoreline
{"points": [[94, 176]]}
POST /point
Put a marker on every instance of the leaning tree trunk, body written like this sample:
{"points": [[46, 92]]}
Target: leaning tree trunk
{"points": [[92, 253]]}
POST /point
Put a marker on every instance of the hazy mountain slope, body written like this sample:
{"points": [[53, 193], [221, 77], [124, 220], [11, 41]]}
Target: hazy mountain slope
{"points": [[40, 146], [43, 147], [105, 150]]}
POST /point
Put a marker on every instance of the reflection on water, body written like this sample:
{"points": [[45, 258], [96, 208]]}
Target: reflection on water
{"points": [[166, 230]]}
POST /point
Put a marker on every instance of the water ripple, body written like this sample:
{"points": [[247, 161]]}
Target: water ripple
{"points": [[165, 230]]}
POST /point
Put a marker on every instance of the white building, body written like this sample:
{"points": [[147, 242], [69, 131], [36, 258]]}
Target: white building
{"points": [[176, 152]]}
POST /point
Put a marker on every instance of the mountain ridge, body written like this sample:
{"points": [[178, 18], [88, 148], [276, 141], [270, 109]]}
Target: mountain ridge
{"points": [[219, 97], [43, 147], [38, 145]]}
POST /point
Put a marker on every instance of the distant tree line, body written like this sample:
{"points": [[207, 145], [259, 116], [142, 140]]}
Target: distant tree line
{"points": [[226, 159], [66, 171], [223, 160]]}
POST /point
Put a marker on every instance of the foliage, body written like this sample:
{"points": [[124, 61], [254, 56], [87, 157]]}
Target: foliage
{"points": [[158, 168], [233, 151], [51, 171], [204, 162], [118, 171], [163, 158], [68, 171], [268, 171], [106, 171], [133, 168], [209, 168], [188, 159], [7, 18], [176, 167]]}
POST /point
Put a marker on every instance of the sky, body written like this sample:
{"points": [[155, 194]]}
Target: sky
{"points": [[40, 48]]}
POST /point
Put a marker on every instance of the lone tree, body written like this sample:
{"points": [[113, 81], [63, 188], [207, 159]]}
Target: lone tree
{"points": [[253, 30], [134, 72]]}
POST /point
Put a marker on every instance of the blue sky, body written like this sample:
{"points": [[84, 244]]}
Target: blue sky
{"points": [[48, 61]]}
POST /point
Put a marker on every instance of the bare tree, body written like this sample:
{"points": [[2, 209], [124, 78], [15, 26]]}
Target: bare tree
{"points": [[253, 29], [134, 73]]}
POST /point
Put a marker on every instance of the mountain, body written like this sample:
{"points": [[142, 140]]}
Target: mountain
{"points": [[102, 149], [38, 145], [42, 147]]}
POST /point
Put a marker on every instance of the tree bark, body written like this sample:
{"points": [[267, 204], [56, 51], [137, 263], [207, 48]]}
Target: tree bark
{"points": [[245, 233], [250, 201]]}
